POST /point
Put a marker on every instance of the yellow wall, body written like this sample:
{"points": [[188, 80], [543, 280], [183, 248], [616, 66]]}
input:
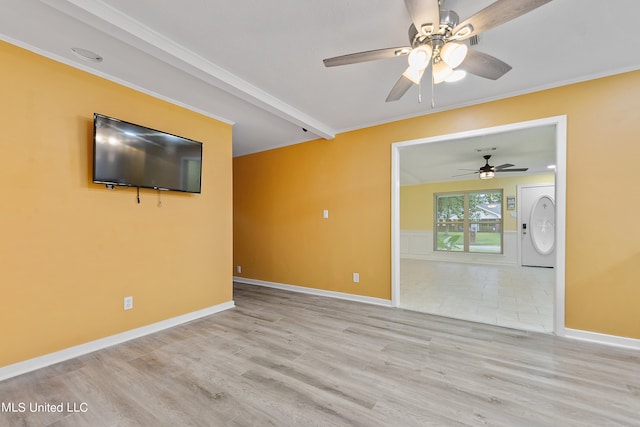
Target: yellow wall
{"points": [[71, 250], [279, 198], [416, 201], [279, 233]]}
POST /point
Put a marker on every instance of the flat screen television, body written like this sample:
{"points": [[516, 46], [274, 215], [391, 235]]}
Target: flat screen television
{"points": [[137, 156]]}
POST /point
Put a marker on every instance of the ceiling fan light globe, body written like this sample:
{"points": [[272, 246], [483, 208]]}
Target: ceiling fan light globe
{"points": [[454, 53], [441, 72], [414, 75], [487, 174], [456, 76], [420, 57]]}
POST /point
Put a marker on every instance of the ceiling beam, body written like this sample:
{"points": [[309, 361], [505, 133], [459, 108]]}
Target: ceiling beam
{"points": [[121, 26]]}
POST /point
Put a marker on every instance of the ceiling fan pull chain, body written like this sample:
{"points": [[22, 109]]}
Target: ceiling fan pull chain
{"points": [[420, 93], [433, 96]]}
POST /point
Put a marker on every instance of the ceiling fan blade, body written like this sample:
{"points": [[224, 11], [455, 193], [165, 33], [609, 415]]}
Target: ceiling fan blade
{"points": [[370, 55], [399, 89], [469, 173], [506, 165], [484, 65], [495, 14], [513, 170], [424, 12]]}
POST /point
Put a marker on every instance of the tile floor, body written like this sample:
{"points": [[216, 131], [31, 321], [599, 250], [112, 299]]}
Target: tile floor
{"points": [[510, 296]]}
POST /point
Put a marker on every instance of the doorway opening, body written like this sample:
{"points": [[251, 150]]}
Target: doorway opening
{"points": [[413, 245]]}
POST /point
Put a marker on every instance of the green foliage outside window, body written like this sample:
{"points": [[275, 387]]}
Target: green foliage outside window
{"points": [[469, 221]]}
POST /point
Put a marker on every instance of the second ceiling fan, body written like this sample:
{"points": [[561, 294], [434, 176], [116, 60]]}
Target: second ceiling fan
{"points": [[487, 171], [437, 39]]}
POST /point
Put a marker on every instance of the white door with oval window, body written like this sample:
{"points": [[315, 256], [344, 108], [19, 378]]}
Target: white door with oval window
{"points": [[537, 225]]}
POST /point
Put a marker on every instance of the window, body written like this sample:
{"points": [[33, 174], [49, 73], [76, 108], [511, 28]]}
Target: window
{"points": [[469, 221]]}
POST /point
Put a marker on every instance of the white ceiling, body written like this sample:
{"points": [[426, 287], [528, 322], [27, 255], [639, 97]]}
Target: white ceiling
{"points": [[457, 159], [258, 64]]}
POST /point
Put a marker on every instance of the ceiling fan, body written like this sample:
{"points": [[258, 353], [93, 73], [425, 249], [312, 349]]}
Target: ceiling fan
{"points": [[487, 171], [437, 38]]}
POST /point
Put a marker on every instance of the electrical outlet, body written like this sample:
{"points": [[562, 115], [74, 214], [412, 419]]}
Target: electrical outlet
{"points": [[128, 303], [325, 213], [356, 277], [238, 269]]}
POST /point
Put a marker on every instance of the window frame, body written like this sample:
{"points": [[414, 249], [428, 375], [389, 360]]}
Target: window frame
{"points": [[466, 221]]}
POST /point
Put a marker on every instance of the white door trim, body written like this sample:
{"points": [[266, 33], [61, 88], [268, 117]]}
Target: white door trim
{"points": [[560, 123]]}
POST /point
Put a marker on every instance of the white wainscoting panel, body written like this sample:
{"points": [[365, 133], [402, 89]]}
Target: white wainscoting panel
{"points": [[418, 244]]}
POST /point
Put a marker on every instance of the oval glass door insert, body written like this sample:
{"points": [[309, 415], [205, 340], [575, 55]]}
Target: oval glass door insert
{"points": [[543, 225]]}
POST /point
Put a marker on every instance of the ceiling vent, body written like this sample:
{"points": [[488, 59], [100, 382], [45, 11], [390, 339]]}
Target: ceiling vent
{"points": [[487, 149]]}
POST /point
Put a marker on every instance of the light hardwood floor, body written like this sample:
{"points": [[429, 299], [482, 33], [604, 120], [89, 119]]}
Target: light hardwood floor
{"points": [[287, 359]]}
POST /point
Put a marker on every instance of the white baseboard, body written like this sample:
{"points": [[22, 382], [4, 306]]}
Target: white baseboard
{"points": [[86, 348], [599, 338], [314, 291]]}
